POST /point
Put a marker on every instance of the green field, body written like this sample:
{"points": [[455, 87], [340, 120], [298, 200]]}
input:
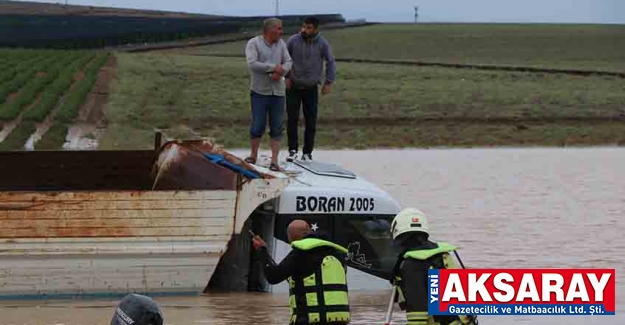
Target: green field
{"points": [[584, 47], [189, 93], [371, 105], [40, 85]]}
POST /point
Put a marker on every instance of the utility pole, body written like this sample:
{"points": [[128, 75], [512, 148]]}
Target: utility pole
{"points": [[277, 8], [416, 13]]}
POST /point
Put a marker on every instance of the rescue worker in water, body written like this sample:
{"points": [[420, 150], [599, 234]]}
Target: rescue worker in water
{"points": [[317, 276], [410, 274]]}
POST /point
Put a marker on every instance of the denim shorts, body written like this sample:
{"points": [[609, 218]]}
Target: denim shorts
{"points": [[263, 106]]}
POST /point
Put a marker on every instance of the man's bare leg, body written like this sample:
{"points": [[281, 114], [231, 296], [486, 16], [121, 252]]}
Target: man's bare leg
{"points": [[255, 146], [275, 150]]}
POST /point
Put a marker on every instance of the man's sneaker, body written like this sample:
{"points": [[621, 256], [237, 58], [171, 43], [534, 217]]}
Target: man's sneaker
{"points": [[307, 157], [292, 156]]}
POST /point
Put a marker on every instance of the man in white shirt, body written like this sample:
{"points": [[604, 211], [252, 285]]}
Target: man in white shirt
{"points": [[268, 60]]}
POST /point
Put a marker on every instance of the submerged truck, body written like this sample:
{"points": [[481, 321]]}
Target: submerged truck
{"points": [[171, 221]]}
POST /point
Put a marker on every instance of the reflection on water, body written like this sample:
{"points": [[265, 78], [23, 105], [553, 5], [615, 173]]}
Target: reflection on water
{"points": [[516, 208]]}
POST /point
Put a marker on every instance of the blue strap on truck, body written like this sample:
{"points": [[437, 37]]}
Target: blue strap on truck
{"points": [[221, 160]]}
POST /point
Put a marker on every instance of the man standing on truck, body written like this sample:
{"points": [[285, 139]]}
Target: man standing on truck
{"points": [[308, 49], [268, 61], [410, 230], [317, 276]]}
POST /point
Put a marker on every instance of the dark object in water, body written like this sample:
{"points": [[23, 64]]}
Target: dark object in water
{"points": [[136, 309]]}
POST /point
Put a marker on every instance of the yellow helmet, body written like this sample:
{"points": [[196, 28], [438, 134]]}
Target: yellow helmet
{"points": [[409, 220]]}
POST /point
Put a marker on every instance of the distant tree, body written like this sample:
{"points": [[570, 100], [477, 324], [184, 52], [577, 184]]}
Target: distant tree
{"points": [[416, 13]]}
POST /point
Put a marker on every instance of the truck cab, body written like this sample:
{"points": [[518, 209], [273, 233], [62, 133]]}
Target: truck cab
{"points": [[352, 211]]}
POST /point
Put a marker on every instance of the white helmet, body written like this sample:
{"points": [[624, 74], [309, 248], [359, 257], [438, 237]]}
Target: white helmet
{"points": [[409, 220]]}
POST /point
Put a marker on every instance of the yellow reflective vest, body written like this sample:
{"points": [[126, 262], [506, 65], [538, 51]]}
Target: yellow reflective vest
{"points": [[321, 296], [421, 317]]}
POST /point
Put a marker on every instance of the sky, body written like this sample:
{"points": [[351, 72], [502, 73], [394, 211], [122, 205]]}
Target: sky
{"points": [[523, 11]]}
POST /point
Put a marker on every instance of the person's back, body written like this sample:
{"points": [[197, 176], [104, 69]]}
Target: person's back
{"points": [[419, 255], [325, 276], [317, 275], [411, 279]]}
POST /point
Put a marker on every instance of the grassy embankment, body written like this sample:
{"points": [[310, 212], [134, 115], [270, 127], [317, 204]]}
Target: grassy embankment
{"points": [[187, 93]]}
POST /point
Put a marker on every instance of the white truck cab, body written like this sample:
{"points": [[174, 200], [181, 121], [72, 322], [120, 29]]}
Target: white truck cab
{"points": [[355, 213]]}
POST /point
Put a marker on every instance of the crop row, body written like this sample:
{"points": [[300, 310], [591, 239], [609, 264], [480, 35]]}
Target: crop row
{"points": [[71, 103], [18, 65], [31, 83], [21, 77], [18, 137], [9, 58], [53, 139], [53, 92]]}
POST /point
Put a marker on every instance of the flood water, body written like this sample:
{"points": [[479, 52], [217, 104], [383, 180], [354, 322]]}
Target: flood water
{"points": [[509, 208]]}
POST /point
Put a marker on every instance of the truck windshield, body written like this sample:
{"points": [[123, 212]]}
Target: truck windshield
{"points": [[368, 239]]}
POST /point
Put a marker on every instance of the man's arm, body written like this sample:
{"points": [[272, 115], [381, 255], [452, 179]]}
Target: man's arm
{"points": [[278, 273], [289, 45], [330, 63], [287, 62], [251, 54]]}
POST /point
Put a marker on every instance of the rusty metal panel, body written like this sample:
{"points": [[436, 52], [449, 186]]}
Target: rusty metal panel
{"points": [[115, 195], [95, 205], [120, 221], [105, 274], [121, 214], [180, 167], [76, 170], [104, 242]]}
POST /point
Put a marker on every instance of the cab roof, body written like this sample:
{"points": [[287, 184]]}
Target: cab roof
{"points": [[324, 188]]}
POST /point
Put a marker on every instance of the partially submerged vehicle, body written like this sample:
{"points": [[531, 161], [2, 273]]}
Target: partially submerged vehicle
{"points": [[173, 220]]}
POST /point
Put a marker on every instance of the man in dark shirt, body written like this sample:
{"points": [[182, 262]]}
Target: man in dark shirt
{"points": [[308, 49], [314, 265]]}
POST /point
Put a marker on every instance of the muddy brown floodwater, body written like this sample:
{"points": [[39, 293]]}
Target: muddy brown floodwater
{"points": [[511, 208]]}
